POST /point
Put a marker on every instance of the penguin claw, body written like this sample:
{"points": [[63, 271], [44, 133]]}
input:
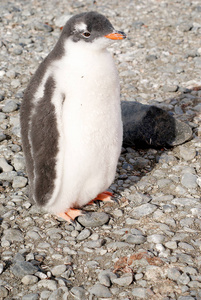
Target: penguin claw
{"points": [[70, 214]]}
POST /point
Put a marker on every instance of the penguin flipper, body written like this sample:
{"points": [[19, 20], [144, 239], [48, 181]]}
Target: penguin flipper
{"points": [[44, 137]]}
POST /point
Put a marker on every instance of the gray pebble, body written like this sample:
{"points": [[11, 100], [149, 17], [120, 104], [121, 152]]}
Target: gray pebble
{"points": [[143, 210], [135, 239], [173, 274], [49, 284], [84, 234], [19, 182], [100, 290], [183, 279], [13, 235], [2, 136], [156, 238], [94, 244], [187, 153], [32, 296], [189, 180], [18, 162], [170, 88], [1, 268], [124, 280], [186, 298], [9, 106], [29, 279], [106, 277], [3, 292], [4, 165], [22, 268], [78, 292], [58, 270], [151, 57], [93, 219], [171, 245], [139, 293], [42, 27], [8, 176]]}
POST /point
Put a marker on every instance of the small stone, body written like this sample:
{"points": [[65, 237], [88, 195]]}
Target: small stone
{"points": [[186, 298], [49, 284], [124, 280], [9, 106], [100, 290], [78, 292], [94, 244], [183, 279], [42, 27], [20, 269], [156, 238], [151, 57], [2, 136], [139, 293], [1, 268], [3, 292], [19, 162], [170, 88], [173, 274], [106, 277], [58, 270], [32, 296], [13, 235], [93, 219], [19, 182], [143, 210], [186, 246], [4, 165], [171, 245], [135, 239], [84, 234], [187, 153], [189, 180], [29, 279], [8, 176]]}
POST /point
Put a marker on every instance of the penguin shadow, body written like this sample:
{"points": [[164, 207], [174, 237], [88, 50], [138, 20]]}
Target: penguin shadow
{"points": [[150, 133]]}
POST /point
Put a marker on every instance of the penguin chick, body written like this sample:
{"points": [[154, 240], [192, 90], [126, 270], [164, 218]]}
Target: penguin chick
{"points": [[70, 117]]}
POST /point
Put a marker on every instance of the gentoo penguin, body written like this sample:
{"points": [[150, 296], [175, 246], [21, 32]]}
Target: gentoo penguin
{"points": [[71, 125]]}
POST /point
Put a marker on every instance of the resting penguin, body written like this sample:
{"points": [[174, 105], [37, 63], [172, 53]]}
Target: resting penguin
{"points": [[70, 116]]}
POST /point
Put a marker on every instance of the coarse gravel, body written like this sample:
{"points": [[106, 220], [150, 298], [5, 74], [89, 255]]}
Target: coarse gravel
{"points": [[147, 245]]}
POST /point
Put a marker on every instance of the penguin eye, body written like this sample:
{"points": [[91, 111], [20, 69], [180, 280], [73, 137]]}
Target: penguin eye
{"points": [[86, 34]]}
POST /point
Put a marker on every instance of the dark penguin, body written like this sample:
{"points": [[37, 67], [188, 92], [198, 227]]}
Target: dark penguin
{"points": [[71, 124]]}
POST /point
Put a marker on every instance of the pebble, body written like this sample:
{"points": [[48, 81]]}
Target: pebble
{"points": [[22, 268], [58, 270], [78, 292], [9, 106], [84, 234], [156, 238], [29, 279], [173, 274], [32, 296], [135, 239], [100, 290], [124, 280], [13, 235], [19, 182], [143, 210], [93, 219], [3, 292], [49, 284], [4, 165], [189, 180], [139, 293]]}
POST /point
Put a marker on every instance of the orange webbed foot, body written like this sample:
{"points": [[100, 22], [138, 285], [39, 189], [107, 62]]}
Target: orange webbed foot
{"points": [[70, 214], [105, 196]]}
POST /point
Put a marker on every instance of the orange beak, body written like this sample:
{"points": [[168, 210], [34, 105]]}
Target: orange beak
{"points": [[116, 35]]}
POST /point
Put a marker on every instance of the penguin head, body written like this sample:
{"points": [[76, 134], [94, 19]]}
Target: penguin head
{"points": [[90, 27]]}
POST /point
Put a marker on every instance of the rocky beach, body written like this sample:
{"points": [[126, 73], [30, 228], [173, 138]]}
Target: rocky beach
{"points": [[146, 244]]}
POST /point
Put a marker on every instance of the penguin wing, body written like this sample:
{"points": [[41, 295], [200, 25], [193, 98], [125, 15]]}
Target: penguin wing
{"points": [[44, 140]]}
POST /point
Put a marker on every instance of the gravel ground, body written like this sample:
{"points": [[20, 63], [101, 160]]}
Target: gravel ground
{"points": [[146, 246]]}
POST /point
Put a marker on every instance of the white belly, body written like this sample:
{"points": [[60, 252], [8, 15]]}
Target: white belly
{"points": [[91, 132]]}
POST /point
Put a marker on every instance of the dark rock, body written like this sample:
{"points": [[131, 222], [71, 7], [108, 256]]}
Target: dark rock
{"points": [[146, 126]]}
